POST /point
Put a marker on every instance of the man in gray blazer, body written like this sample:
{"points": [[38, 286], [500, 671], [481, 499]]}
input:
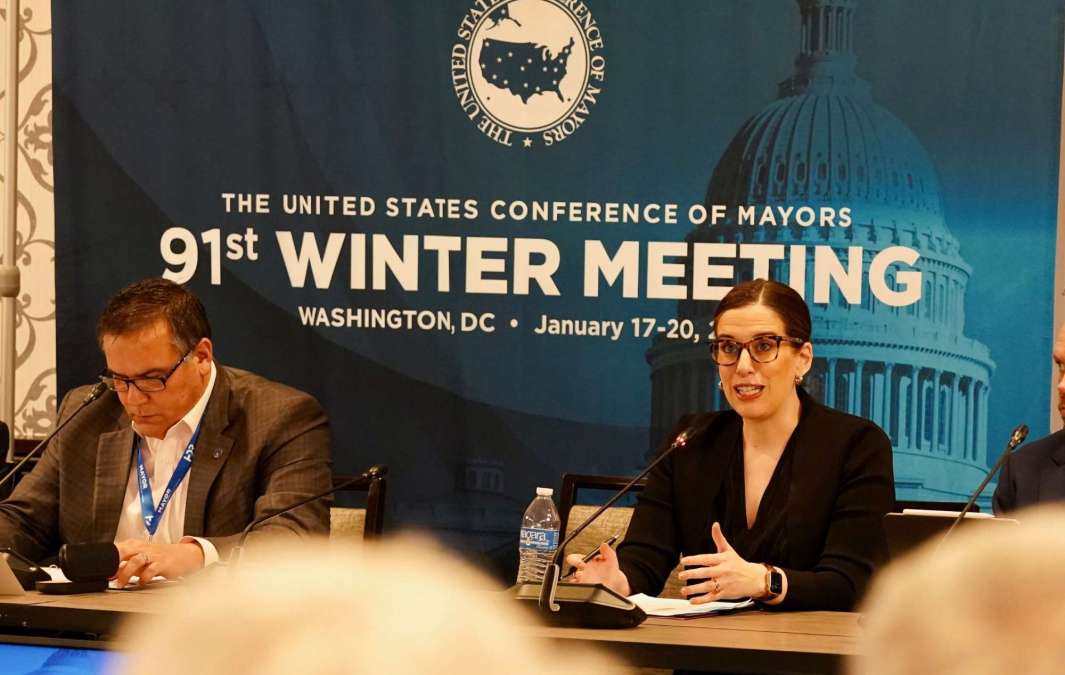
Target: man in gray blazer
{"points": [[1036, 472], [180, 454]]}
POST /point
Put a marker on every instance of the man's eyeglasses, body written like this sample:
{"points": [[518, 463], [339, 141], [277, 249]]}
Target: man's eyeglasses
{"points": [[763, 349], [147, 385]]}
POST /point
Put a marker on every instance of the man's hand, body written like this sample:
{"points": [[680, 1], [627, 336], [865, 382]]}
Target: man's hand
{"points": [[147, 561]]}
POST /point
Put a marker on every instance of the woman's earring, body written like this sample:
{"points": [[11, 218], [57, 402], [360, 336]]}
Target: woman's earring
{"points": [[720, 385], [798, 380]]}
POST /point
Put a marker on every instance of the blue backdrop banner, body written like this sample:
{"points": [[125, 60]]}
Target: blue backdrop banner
{"points": [[489, 235]]}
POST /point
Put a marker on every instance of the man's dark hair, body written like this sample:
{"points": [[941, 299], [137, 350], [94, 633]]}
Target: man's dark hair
{"points": [[144, 302], [780, 298]]}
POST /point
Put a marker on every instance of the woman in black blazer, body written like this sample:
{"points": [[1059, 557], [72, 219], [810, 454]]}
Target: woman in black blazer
{"points": [[779, 499]]}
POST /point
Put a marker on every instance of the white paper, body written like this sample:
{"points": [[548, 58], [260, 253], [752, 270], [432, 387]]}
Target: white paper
{"points": [[672, 607], [135, 583], [944, 514]]}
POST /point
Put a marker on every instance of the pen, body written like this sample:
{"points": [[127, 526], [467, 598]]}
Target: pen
{"points": [[595, 551], [609, 541]]}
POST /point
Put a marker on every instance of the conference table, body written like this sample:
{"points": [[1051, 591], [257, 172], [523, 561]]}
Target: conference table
{"points": [[747, 642], [95, 615]]}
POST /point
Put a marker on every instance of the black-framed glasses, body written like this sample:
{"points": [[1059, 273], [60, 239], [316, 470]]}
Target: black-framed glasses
{"points": [[763, 349], [146, 385]]}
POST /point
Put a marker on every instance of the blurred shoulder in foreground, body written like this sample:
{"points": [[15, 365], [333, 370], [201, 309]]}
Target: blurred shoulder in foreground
{"points": [[986, 602]]}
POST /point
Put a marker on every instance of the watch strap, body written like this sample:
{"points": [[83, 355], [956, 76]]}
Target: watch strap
{"points": [[768, 594]]}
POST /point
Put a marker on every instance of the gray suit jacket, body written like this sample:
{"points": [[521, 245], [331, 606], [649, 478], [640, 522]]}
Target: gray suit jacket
{"points": [[1033, 474], [262, 447]]}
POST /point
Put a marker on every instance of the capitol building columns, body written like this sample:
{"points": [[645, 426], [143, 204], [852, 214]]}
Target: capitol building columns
{"points": [[886, 400], [937, 430], [932, 411], [830, 383], [915, 398], [921, 409], [931, 414]]}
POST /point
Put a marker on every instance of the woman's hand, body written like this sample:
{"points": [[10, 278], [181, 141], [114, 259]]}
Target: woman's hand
{"points": [[726, 575], [602, 569]]}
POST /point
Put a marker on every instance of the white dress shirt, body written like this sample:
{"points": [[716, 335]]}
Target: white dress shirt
{"points": [[161, 457]]}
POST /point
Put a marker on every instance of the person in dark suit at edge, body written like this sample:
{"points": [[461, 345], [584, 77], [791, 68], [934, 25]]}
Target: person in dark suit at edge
{"points": [[229, 446], [779, 499], [1036, 472]]}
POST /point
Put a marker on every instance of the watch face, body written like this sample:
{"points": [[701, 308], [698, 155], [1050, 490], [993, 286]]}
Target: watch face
{"points": [[776, 583]]}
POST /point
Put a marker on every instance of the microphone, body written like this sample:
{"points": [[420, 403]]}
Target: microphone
{"points": [[95, 393], [88, 568], [595, 605], [375, 472], [1016, 438]]}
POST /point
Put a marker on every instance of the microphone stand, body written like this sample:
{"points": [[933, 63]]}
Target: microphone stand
{"points": [[375, 472], [597, 605], [94, 394], [553, 572], [1016, 438]]}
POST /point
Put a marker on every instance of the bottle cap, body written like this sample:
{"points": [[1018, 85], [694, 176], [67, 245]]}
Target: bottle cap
{"points": [[544, 492]]}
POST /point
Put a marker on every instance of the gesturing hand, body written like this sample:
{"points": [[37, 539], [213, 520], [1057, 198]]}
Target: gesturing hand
{"points": [[726, 574]]}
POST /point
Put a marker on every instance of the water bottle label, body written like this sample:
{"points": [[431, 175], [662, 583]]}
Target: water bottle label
{"points": [[534, 537]]}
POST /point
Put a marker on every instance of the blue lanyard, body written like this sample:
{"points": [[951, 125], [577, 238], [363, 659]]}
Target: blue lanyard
{"points": [[153, 515]]}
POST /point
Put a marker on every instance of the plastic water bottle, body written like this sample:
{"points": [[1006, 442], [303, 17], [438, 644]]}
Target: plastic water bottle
{"points": [[539, 537]]}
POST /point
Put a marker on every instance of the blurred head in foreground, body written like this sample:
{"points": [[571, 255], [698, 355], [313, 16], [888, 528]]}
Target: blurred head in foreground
{"points": [[989, 601], [402, 606]]}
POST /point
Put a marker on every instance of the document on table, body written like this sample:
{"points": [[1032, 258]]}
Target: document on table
{"points": [[945, 514], [134, 581], [57, 575], [683, 609]]}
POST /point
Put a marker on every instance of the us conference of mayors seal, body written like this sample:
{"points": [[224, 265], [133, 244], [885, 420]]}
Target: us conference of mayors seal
{"points": [[528, 72]]}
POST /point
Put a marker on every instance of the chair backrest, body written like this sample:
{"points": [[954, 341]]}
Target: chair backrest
{"points": [[614, 520], [365, 523], [18, 450], [901, 504], [572, 483]]}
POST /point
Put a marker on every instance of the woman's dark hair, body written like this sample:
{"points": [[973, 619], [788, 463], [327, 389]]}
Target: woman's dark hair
{"points": [[780, 298], [141, 304]]}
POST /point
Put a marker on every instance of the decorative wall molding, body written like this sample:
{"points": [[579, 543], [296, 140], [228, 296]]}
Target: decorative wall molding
{"points": [[35, 359]]}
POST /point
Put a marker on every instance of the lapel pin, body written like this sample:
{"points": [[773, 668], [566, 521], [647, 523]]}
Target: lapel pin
{"points": [[217, 453]]}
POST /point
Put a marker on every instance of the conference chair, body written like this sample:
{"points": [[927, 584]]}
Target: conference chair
{"points": [[22, 448], [364, 523], [614, 520]]}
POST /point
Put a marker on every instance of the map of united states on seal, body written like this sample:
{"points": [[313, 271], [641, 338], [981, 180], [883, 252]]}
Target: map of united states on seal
{"points": [[524, 68]]}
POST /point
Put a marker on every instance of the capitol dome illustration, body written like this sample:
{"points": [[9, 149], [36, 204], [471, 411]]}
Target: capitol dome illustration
{"points": [[824, 142]]}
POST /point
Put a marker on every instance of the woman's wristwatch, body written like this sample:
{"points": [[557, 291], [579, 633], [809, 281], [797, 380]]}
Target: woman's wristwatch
{"points": [[774, 583]]}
